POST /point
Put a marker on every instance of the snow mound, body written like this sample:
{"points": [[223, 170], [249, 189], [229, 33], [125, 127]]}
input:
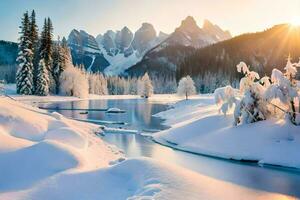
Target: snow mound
{"points": [[24, 167], [136, 179], [67, 135], [115, 110], [200, 128]]}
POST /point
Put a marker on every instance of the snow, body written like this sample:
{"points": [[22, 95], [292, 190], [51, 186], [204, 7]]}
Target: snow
{"points": [[115, 110], [89, 69], [119, 63], [198, 127], [46, 156], [91, 50]]}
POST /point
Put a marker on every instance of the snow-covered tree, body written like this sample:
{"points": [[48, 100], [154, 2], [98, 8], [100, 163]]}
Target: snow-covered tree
{"points": [[42, 87], [285, 89], [145, 88], [186, 87], [24, 77], [74, 82], [225, 97], [34, 38], [61, 58], [251, 108], [97, 84], [46, 51]]}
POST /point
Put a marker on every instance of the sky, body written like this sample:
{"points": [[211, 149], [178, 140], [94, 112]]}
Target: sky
{"points": [[97, 16]]}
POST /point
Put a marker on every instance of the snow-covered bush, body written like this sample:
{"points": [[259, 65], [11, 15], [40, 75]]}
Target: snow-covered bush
{"points": [[261, 99], [284, 88], [186, 87], [74, 82], [225, 98], [251, 107], [145, 88]]}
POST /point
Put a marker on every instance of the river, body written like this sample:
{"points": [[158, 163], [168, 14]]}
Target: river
{"points": [[138, 116]]}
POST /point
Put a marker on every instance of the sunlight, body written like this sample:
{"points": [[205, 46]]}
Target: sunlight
{"points": [[295, 21]]}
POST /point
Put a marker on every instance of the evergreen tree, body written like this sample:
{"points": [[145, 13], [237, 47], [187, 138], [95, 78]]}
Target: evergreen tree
{"points": [[24, 78], [49, 60], [34, 38], [42, 56], [46, 51], [61, 58], [42, 81], [57, 63]]}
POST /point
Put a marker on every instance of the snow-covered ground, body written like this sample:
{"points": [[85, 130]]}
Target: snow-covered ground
{"points": [[197, 126], [10, 89], [46, 156]]}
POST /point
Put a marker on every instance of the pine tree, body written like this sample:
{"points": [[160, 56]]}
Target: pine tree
{"points": [[49, 52], [57, 62], [24, 78], [42, 81], [46, 51], [34, 38], [61, 58], [42, 72]]}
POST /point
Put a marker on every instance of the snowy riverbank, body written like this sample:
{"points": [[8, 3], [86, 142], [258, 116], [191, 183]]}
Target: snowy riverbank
{"points": [[46, 156], [198, 127]]}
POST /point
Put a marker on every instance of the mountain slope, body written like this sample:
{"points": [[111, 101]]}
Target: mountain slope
{"points": [[170, 53], [85, 51], [122, 49], [262, 51]]}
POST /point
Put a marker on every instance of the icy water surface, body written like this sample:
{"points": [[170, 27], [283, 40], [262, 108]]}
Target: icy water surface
{"points": [[138, 116]]}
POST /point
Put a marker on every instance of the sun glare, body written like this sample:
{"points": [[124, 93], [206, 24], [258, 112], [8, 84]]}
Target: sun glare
{"points": [[295, 21]]}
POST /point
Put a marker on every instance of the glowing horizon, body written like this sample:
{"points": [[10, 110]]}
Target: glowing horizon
{"points": [[97, 16]]}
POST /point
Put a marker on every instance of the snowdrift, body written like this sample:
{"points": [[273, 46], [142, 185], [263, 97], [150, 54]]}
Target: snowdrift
{"points": [[198, 127]]}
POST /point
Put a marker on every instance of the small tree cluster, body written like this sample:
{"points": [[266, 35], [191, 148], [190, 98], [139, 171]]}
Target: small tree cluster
{"points": [[74, 82], [285, 89], [97, 84], [259, 98], [40, 60]]}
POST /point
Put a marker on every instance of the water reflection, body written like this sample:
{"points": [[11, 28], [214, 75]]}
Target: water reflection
{"points": [[138, 114]]}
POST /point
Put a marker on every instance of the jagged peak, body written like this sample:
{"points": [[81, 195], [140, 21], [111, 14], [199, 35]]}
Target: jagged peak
{"points": [[146, 24], [207, 24], [189, 21]]}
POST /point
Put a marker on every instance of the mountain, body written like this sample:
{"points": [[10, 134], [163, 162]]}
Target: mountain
{"points": [[122, 49], [262, 51], [168, 54], [85, 51], [215, 31]]}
